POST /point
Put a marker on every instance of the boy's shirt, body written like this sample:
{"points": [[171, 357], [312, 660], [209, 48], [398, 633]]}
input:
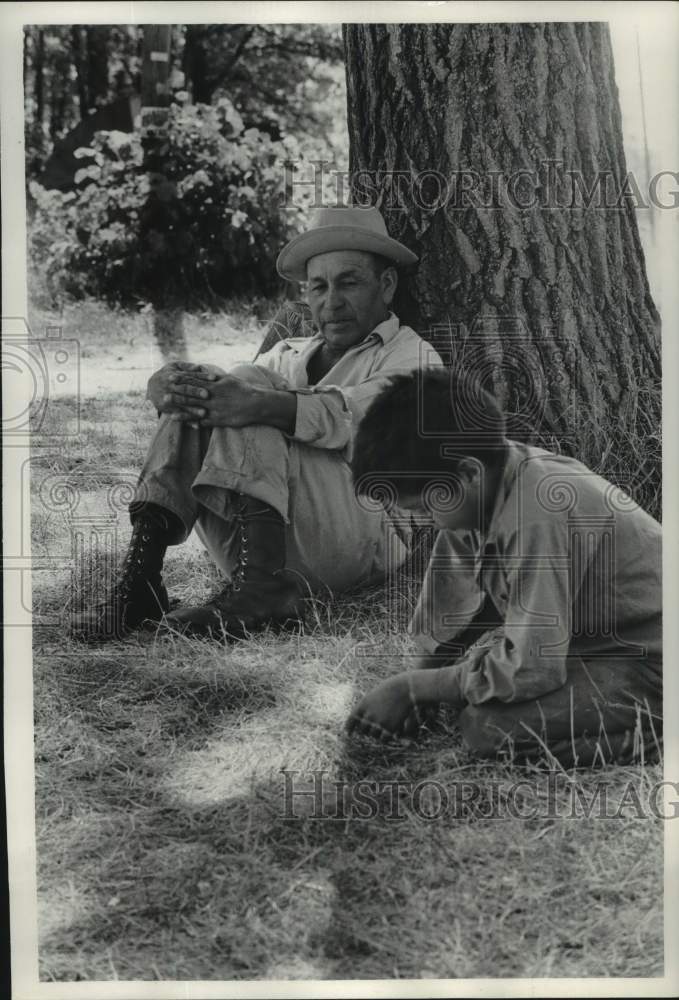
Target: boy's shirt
{"points": [[572, 564]]}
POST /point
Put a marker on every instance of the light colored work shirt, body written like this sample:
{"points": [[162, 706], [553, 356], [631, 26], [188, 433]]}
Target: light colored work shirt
{"points": [[571, 563], [328, 412]]}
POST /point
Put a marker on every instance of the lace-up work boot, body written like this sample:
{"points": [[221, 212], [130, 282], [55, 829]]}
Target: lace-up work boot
{"points": [[139, 595], [259, 593]]}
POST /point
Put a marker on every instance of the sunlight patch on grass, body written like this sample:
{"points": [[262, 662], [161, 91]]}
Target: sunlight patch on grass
{"points": [[232, 765], [64, 906], [331, 702]]}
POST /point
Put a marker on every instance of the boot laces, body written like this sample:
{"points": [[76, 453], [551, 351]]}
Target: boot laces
{"points": [[133, 561]]}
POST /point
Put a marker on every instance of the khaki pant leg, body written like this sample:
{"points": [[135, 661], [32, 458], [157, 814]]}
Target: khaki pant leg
{"points": [[596, 714], [333, 541]]}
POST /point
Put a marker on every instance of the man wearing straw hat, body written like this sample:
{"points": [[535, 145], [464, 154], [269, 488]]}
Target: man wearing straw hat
{"points": [[257, 459]]}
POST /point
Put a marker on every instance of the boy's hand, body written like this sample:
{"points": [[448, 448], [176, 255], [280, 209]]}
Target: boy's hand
{"points": [[390, 710]]}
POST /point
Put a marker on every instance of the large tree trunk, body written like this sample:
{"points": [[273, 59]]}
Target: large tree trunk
{"points": [[550, 302]]}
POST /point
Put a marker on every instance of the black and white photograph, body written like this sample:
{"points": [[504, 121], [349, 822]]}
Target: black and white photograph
{"points": [[338, 342]]}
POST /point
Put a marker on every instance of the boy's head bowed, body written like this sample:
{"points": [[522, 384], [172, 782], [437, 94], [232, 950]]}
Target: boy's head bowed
{"points": [[423, 425]]}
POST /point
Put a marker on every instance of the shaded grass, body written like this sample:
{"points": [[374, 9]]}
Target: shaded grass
{"points": [[164, 826], [163, 818], [166, 844]]}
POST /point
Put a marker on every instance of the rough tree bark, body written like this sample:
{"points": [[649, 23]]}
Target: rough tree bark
{"points": [[551, 301]]}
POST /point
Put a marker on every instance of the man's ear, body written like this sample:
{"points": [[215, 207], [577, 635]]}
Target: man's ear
{"points": [[389, 283], [469, 470]]}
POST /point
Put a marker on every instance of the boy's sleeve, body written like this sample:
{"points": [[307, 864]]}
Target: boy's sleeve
{"points": [[451, 595], [530, 660]]}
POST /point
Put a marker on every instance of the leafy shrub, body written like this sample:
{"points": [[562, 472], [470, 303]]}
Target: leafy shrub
{"points": [[208, 223]]}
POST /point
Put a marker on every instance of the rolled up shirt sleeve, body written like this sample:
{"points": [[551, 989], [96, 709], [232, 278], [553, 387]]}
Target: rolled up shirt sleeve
{"points": [[328, 413], [328, 416], [324, 418], [530, 659]]}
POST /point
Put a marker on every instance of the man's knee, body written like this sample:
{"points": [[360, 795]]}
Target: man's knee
{"points": [[481, 731], [258, 375]]}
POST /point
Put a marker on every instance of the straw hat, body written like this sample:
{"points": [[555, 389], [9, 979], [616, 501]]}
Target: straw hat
{"points": [[346, 228]]}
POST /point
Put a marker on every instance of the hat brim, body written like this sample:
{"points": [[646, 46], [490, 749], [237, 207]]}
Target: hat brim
{"points": [[292, 259]]}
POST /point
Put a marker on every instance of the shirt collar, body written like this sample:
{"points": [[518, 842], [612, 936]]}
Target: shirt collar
{"points": [[385, 331]]}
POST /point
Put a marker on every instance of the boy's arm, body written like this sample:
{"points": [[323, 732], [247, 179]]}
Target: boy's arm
{"points": [[451, 600], [529, 659], [446, 653]]}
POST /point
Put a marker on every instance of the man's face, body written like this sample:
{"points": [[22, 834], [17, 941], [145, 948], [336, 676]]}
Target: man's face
{"points": [[346, 297]]}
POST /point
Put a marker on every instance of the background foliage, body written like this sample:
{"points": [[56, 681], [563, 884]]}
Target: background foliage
{"points": [[247, 98], [283, 78], [211, 225]]}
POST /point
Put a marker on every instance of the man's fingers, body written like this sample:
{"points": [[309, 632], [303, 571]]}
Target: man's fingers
{"points": [[185, 409], [187, 366], [197, 378], [183, 388], [187, 418]]}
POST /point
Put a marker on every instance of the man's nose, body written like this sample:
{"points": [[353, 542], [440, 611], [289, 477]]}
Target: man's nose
{"points": [[334, 298]]}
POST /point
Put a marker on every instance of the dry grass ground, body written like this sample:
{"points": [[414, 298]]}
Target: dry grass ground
{"points": [[165, 851]]}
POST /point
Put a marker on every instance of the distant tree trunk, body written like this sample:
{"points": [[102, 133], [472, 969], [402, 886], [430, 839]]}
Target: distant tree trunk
{"points": [[168, 320], [39, 84], [97, 65], [81, 82], [60, 82], [195, 64], [550, 300], [156, 65]]}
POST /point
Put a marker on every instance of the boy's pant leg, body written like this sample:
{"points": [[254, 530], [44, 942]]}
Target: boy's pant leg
{"points": [[605, 711]]}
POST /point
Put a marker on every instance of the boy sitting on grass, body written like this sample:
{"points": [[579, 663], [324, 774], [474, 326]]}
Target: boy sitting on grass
{"points": [[569, 563]]}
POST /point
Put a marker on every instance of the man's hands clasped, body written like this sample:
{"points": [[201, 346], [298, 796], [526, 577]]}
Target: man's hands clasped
{"points": [[202, 396]]}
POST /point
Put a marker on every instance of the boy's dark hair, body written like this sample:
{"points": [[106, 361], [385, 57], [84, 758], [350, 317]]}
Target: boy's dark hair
{"points": [[421, 425]]}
